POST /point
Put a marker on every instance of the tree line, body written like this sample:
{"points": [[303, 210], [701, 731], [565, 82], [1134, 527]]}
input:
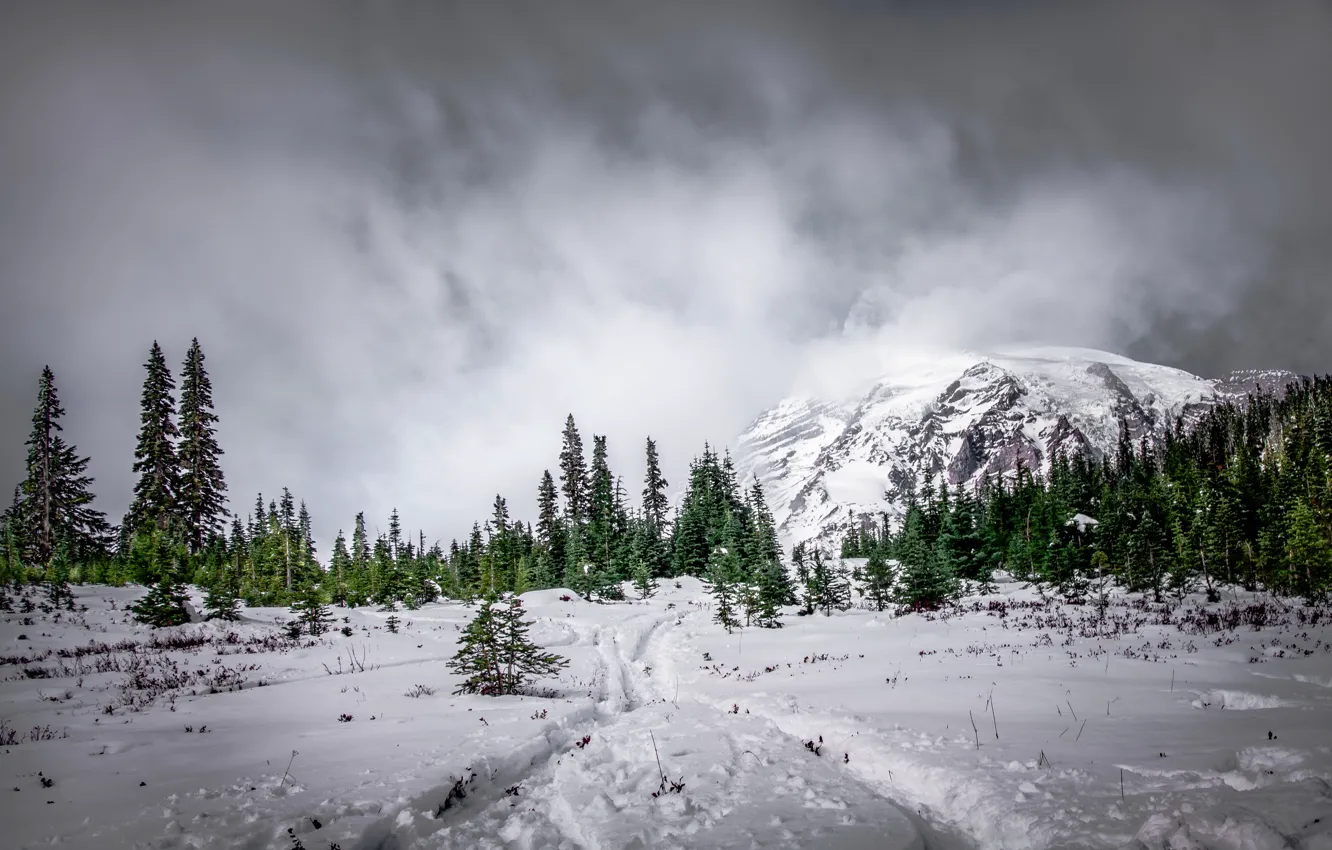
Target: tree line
{"points": [[1243, 497], [589, 535]]}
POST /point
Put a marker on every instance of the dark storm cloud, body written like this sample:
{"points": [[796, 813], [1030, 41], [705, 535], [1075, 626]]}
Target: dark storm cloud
{"points": [[411, 237]]}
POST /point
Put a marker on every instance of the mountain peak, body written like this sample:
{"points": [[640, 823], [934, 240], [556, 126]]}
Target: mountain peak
{"points": [[962, 417]]}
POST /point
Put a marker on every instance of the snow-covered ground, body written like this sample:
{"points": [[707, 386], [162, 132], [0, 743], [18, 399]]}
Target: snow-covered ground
{"points": [[851, 731]]}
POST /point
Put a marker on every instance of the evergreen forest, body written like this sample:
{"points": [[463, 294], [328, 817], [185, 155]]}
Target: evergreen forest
{"points": [[1240, 497]]}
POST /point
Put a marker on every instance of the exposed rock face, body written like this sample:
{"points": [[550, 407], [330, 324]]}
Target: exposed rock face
{"points": [[1240, 383], [963, 418]]}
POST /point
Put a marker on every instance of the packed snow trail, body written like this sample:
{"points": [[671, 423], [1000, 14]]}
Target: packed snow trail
{"points": [[648, 772]]}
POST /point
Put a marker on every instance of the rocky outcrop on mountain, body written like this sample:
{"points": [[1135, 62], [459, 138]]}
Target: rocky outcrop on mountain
{"points": [[961, 419], [1240, 383]]}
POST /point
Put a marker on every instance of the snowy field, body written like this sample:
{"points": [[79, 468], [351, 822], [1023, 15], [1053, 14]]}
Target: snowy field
{"points": [[1016, 724]]}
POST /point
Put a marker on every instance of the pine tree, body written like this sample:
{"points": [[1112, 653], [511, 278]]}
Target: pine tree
{"points": [[287, 531], [878, 579], [359, 587], [839, 596], [309, 609], [56, 498], [395, 535], [573, 475], [543, 568], [201, 485], [763, 544], [806, 595], [722, 582], [58, 591], [690, 541], [522, 575], [577, 567], [155, 462], [930, 584], [340, 567], [1310, 552], [304, 545], [500, 550], [11, 553], [599, 539], [827, 587], [165, 603], [549, 530], [385, 576], [495, 656], [655, 506], [645, 584], [222, 598], [772, 590]]}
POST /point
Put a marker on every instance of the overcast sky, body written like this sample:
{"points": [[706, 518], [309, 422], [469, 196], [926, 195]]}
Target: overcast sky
{"points": [[412, 237]]}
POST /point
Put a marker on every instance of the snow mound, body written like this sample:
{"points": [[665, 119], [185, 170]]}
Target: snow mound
{"points": [[1238, 700], [1295, 816]]}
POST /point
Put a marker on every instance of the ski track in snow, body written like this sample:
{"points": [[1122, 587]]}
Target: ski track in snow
{"points": [[593, 797]]}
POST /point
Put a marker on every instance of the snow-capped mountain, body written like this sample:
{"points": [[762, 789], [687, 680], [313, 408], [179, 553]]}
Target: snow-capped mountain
{"points": [[964, 416]]}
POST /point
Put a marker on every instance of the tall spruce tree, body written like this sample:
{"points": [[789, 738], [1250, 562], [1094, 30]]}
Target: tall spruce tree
{"points": [[155, 461], [359, 587], [655, 506], [501, 551], [56, 499], [549, 529], [340, 569], [573, 475], [599, 539], [200, 499]]}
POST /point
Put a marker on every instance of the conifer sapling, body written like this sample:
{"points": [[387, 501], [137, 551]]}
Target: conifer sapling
{"points": [[495, 655], [310, 610]]}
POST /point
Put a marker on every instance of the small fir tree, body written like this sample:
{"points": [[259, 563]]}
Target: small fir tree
{"points": [[222, 598], [58, 591], [839, 588], [495, 655], [818, 582], [165, 603], [804, 578], [645, 584], [928, 585], [310, 609], [723, 583], [772, 591], [878, 579]]}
